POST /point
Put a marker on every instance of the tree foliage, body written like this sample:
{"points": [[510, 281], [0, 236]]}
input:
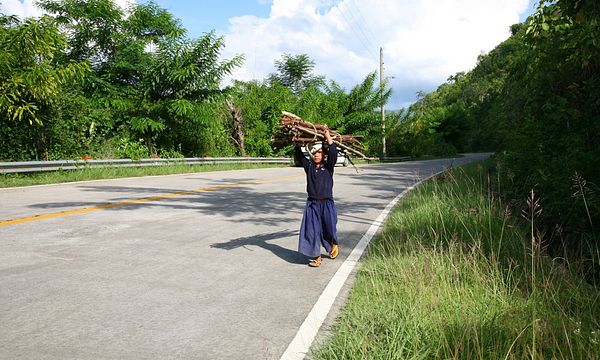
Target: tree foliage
{"points": [[148, 84], [30, 79], [295, 72], [91, 26], [535, 99]]}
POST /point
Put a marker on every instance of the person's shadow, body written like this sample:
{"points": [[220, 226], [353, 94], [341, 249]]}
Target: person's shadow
{"points": [[261, 240]]}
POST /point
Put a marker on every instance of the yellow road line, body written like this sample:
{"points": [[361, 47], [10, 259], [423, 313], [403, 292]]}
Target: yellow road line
{"points": [[143, 200]]}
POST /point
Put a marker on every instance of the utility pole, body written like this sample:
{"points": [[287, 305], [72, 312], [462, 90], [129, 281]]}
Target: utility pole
{"points": [[381, 91]]}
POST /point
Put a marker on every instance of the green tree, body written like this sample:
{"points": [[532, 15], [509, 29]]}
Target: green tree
{"points": [[182, 84], [157, 85], [92, 27], [32, 84], [559, 121], [260, 104], [295, 72], [360, 111], [30, 79], [534, 99]]}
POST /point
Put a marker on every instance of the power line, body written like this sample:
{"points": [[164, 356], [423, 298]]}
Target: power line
{"points": [[358, 25], [357, 33], [362, 19]]}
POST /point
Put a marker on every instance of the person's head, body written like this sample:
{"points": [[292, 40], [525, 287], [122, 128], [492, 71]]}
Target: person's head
{"points": [[316, 153]]}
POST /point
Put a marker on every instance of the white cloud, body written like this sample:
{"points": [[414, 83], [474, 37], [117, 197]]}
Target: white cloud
{"points": [[23, 9], [424, 42]]}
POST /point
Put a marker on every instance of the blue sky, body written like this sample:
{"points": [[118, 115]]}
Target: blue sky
{"points": [[424, 41], [199, 17], [530, 10]]}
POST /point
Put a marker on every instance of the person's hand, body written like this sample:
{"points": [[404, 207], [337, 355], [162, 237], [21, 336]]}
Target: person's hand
{"points": [[328, 136]]}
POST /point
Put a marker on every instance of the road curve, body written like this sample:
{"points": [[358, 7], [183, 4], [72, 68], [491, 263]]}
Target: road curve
{"points": [[199, 266]]}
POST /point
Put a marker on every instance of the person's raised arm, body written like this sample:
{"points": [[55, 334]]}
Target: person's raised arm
{"points": [[328, 137], [332, 152], [300, 156]]}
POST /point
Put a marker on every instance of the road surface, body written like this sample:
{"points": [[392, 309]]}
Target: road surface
{"points": [[193, 266]]}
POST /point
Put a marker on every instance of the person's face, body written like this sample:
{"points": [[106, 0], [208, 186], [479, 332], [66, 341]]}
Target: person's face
{"points": [[318, 156]]}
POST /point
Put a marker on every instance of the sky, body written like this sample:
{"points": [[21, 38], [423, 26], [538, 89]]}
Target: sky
{"points": [[424, 42]]}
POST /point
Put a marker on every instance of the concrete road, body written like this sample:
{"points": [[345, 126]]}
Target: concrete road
{"points": [[195, 266]]}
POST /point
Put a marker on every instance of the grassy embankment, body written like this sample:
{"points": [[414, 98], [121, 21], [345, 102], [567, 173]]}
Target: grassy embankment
{"points": [[54, 177], [453, 275]]}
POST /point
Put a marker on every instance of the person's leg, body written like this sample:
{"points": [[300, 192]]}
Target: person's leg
{"points": [[309, 242], [329, 226]]}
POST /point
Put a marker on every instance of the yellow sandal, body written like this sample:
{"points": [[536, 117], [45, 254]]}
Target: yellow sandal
{"points": [[334, 252], [316, 262]]}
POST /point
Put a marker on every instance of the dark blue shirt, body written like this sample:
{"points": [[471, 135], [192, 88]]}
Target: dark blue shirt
{"points": [[319, 179]]}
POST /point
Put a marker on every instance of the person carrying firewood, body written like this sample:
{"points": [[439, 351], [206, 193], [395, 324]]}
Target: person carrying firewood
{"points": [[318, 227]]}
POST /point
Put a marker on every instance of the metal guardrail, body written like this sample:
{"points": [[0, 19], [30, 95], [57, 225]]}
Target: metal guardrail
{"points": [[389, 159], [397, 158], [55, 165]]}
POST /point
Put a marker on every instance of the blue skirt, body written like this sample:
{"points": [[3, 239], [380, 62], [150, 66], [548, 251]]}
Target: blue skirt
{"points": [[318, 227]]}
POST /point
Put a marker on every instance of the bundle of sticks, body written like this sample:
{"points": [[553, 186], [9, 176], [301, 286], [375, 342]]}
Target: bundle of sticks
{"points": [[294, 129]]}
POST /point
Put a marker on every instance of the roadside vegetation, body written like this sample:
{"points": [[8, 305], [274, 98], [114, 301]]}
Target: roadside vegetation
{"points": [[456, 274], [55, 177]]}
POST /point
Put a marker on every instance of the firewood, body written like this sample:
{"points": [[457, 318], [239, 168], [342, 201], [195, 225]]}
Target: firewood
{"points": [[294, 129]]}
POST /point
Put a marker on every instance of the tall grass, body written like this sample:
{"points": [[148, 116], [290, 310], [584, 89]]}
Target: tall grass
{"points": [[53, 177], [451, 276]]}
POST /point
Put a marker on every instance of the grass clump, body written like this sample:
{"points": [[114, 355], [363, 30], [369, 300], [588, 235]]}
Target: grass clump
{"points": [[55, 177], [453, 275]]}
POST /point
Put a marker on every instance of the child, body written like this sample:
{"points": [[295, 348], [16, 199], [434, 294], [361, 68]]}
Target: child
{"points": [[320, 215]]}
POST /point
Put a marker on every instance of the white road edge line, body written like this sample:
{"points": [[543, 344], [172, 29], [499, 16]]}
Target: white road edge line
{"points": [[300, 345]]}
